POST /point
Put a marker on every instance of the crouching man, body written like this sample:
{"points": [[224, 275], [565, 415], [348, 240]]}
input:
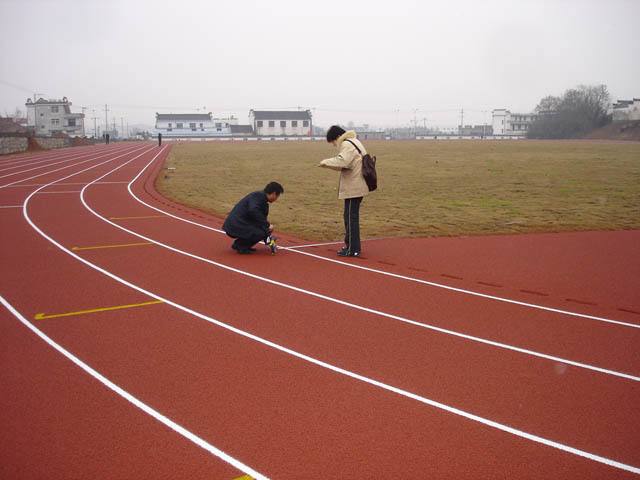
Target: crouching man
{"points": [[248, 223]]}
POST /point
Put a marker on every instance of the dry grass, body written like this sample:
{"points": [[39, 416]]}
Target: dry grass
{"points": [[426, 188]]}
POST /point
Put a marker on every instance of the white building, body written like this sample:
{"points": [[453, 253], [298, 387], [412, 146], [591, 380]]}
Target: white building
{"points": [[47, 117], [278, 123], [193, 125], [507, 123], [625, 110]]}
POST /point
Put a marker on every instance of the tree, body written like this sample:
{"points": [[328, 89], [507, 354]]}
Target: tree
{"points": [[575, 113]]}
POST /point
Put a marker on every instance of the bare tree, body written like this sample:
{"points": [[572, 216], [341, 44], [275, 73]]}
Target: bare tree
{"points": [[574, 114]]}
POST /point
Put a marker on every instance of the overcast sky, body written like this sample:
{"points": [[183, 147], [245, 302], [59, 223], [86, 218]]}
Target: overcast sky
{"points": [[367, 61]]}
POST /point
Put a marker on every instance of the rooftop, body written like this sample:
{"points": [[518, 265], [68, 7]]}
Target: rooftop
{"points": [[183, 116], [281, 114]]}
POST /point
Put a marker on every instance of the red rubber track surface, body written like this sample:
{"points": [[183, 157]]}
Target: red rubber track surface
{"points": [[279, 414]]}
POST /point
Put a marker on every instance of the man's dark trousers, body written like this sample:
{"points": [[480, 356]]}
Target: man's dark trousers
{"points": [[352, 224]]}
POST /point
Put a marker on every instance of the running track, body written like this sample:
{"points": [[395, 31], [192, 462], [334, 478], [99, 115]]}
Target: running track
{"points": [[493, 357]]}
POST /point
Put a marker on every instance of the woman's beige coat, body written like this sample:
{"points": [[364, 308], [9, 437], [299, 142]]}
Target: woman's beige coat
{"points": [[349, 163]]}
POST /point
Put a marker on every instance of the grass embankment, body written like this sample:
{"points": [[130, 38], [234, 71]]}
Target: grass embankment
{"points": [[426, 188]]}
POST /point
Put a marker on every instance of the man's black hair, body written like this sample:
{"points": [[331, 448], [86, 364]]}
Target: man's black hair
{"points": [[334, 132], [273, 187]]}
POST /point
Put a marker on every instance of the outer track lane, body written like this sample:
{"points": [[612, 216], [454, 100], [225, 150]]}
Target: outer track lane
{"points": [[168, 266]]}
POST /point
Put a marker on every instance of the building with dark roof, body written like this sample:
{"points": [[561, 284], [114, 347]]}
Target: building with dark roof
{"points": [[193, 125], [279, 123]]}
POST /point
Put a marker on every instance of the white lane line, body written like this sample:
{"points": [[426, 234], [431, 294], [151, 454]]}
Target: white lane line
{"points": [[61, 191], [70, 159], [405, 277], [34, 159], [469, 292], [126, 149], [176, 427], [320, 363], [348, 304], [308, 245]]}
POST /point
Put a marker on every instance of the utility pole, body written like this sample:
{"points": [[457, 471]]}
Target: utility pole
{"points": [[83, 109], [461, 120], [121, 127], [106, 122], [95, 126], [424, 122]]}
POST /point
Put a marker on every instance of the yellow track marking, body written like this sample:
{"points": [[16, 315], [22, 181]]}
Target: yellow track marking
{"points": [[135, 218], [112, 246], [244, 477], [41, 316]]}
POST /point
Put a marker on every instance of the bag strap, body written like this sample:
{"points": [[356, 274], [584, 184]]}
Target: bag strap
{"points": [[347, 140]]}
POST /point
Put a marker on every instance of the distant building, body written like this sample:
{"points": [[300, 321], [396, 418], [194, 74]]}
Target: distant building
{"points": [[275, 123], [9, 125], [193, 125], [476, 130], [184, 124], [507, 123], [241, 130], [625, 110], [48, 117]]}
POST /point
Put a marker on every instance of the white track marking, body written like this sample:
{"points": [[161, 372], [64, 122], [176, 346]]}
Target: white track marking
{"points": [[51, 155], [470, 292], [134, 400], [10, 206], [348, 304], [320, 363], [75, 156], [126, 149], [401, 277], [61, 191]]}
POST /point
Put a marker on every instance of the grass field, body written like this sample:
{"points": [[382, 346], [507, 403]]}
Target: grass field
{"points": [[426, 188]]}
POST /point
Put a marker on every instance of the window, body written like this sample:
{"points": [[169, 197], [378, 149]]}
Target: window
{"points": [[259, 123], [72, 122], [272, 123], [169, 126], [294, 123], [55, 122], [54, 109], [192, 126], [169, 129], [201, 125], [283, 123], [178, 125], [305, 123]]}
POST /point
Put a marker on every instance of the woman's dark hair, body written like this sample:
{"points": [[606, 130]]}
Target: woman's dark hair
{"points": [[273, 187], [334, 132]]}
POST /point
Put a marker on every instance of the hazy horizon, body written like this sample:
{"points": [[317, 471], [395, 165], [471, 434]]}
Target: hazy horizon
{"points": [[366, 62]]}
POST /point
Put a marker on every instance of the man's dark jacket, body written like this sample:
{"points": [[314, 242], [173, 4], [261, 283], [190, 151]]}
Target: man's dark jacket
{"points": [[248, 219]]}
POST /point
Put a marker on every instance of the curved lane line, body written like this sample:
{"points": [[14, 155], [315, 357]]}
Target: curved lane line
{"points": [[320, 363], [353, 305], [125, 149], [134, 400], [394, 275]]}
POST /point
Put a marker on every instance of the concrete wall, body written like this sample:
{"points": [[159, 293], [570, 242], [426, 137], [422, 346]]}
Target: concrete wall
{"points": [[13, 144], [49, 143]]}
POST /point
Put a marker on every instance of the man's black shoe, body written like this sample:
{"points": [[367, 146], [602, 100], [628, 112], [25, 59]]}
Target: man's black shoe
{"points": [[346, 253]]}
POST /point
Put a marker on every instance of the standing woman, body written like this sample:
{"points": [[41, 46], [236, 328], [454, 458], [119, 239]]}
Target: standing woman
{"points": [[352, 185]]}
